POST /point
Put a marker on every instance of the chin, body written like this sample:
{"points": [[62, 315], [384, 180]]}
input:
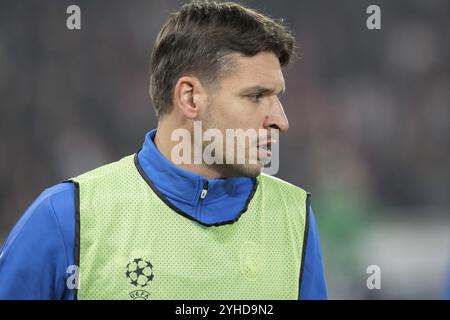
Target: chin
{"points": [[247, 170]]}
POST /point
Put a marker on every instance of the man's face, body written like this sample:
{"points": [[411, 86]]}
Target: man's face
{"points": [[247, 98]]}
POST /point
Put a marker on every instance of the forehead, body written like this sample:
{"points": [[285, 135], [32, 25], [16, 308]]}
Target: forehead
{"points": [[262, 69]]}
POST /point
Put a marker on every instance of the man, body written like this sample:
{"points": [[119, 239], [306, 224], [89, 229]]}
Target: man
{"points": [[148, 227]]}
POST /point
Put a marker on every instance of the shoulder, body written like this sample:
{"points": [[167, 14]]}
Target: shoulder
{"points": [[50, 207], [109, 170], [47, 221], [41, 240], [285, 194], [277, 183], [60, 201]]}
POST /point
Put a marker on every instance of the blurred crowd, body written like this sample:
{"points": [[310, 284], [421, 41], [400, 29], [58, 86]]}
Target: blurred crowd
{"points": [[369, 110]]}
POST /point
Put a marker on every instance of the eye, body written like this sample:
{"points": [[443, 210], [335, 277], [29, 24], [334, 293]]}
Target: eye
{"points": [[256, 97]]}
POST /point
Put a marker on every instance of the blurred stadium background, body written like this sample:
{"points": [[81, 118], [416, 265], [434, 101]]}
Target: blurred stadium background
{"points": [[369, 114]]}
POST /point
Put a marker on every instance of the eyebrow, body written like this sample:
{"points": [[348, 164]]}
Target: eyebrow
{"points": [[261, 90]]}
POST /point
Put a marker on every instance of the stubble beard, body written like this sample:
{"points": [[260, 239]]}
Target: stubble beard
{"points": [[225, 169]]}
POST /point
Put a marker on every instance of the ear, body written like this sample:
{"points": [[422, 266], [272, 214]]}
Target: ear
{"points": [[190, 97]]}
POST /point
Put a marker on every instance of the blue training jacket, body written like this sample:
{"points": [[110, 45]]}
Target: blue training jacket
{"points": [[447, 286], [35, 257]]}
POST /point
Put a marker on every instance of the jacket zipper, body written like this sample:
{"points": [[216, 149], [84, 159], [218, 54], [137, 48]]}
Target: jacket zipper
{"points": [[204, 190], [202, 197]]}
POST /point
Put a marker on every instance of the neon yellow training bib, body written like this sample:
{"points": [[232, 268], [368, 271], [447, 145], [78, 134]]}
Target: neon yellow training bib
{"points": [[131, 244]]}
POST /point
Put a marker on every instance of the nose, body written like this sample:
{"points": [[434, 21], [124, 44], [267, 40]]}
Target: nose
{"points": [[276, 118]]}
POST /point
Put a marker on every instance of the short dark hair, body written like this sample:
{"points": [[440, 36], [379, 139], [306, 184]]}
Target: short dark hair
{"points": [[197, 39]]}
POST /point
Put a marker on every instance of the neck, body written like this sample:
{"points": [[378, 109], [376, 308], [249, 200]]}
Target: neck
{"points": [[165, 145]]}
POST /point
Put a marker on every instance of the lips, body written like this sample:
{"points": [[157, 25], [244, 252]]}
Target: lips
{"points": [[265, 150], [266, 145]]}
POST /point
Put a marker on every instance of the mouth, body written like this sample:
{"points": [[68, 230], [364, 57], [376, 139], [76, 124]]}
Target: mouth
{"points": [[265, 150], [266, 146]]}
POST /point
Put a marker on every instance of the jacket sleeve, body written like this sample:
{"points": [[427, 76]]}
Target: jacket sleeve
{"points": [[447, 286], [36, 254], [313, 284]]}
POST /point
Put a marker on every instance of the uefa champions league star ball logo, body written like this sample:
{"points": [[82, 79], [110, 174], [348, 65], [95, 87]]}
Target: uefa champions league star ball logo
{"points": [[139, 273]]}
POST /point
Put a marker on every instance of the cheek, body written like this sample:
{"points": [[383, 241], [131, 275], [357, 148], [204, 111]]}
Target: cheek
{"points": [[236, 112], [240, 107], [240, 115]]}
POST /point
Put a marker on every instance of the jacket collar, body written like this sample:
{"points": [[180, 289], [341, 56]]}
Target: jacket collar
{"points": [[183, 185]]}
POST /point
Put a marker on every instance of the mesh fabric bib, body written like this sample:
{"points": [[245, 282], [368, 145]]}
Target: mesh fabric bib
{"points": [[132, 244]]}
